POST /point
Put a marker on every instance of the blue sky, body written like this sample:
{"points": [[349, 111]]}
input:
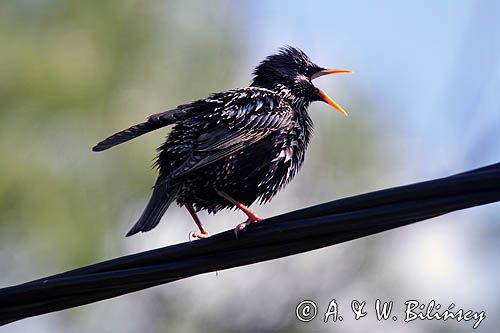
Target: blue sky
{"points": [[431, 67]]}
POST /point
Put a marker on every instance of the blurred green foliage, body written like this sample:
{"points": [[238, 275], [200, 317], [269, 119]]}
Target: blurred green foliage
{"points": [[72, 72]]}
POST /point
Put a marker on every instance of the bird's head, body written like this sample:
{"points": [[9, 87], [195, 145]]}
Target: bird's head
{"points": [[290, 72]]}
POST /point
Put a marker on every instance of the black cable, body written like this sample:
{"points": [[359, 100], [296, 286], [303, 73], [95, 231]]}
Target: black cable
{"points": [[291, 233]]}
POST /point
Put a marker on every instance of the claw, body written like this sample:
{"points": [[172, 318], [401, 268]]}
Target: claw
{"points": [[199, 235], [243, 225]]}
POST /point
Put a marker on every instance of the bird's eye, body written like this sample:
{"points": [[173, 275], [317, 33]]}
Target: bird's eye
{"points": [[310, 71]]}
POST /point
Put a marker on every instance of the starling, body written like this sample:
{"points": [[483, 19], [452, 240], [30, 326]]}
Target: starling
{"points": [[236, 146]]}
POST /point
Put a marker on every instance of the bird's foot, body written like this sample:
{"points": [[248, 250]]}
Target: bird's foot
{"points": [[252, 218], [199, 234], [203, 233]]}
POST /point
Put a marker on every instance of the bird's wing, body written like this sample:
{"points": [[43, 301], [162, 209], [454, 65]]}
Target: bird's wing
{"points": [[240, 125], [153, 122]]}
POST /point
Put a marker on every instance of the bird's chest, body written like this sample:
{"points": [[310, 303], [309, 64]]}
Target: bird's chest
{"points": [[292, 142], [289, 147]]}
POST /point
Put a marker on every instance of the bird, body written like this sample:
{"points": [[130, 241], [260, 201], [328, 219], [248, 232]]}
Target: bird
{"points": [[234, 147]]}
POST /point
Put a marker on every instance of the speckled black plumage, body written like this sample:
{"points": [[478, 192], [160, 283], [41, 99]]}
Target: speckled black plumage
{"points": [[248, 142]]}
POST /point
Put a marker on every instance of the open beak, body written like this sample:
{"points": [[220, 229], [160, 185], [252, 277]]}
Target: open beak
{"points": [[323, 95]]}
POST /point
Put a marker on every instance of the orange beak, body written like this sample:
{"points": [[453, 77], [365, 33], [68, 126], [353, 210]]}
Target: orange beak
{"points": [[323, 95]]}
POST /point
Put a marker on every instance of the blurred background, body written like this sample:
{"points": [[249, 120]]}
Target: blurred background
{"points": [[423, 103]]}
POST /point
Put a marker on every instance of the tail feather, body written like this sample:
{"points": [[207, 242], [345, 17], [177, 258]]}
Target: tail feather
{"points": [[156, 207], [126, 135], [154, 122]]}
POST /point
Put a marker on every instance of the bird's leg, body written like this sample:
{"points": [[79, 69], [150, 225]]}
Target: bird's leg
{"points": [[203, 233], [252, 217]]}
